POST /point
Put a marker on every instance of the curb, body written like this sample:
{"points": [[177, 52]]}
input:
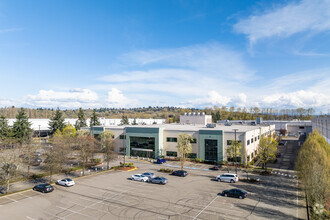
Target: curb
{"points": [[135, 168]]}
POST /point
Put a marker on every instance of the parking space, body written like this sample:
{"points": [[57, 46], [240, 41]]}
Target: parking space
{"points": [[113, 196]]}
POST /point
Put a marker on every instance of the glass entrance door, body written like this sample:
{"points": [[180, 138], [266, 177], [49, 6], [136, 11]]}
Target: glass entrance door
{"points": [[211, 150]]}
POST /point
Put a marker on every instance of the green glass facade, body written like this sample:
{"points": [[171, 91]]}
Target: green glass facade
{"points": [[211, 145]]}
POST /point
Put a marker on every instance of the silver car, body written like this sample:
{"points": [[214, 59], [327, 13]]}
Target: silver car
{"points": [[149, 175], [159, 180], [227, 177]]}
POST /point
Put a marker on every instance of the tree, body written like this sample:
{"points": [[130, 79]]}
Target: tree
{"points": [[69, 131], [124, 120], [81, 122], [94, 119], [4, 128], [267, 150], [184, 147], [86, 146], [134, 122], [231, 150], [56, 122], [21, 128], [313, 166], [56, 155], [9, 164], [107, 144]]}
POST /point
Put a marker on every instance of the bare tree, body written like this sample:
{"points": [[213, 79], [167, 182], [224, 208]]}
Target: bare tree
{"points": [[9, 164], [184, 147], [86, 146], [107, 144], [56, 155]]}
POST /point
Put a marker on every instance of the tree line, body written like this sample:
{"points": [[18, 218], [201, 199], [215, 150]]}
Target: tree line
{"points": [[313, 166], [171, 114]]}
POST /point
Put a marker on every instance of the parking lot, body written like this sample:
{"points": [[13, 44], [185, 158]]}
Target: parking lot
{"points": [[112, 195]]}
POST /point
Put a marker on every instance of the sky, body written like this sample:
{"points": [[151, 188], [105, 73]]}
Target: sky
{"points": [[183, 53]]}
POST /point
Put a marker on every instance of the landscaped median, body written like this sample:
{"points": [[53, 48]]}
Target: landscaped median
{"points": [[125, 167]]}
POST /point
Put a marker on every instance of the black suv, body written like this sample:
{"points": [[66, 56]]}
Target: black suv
{"points": [[45, 188], [182, 173], [235, 193]]}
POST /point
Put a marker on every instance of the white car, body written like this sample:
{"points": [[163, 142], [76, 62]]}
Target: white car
{"points": [[227, 177], [139, 177], [65, 182]]}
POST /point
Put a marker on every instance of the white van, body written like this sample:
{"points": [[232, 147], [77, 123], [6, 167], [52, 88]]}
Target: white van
{"points": [[227, 177]]}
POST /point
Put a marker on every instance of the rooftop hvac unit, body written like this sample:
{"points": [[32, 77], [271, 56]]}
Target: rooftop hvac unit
{"points": [[203, 113], [185, 113], [194, 113], [198, 113]]}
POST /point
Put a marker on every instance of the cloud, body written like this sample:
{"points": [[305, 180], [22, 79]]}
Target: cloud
{"points": [[213, 98], [178, 74], [116, 99], [306, 15], [65, 99], [298, 99]]}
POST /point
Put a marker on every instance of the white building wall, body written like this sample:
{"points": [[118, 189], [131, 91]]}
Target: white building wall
{"points": [[195, 119], [323, 125], [172, 146]]}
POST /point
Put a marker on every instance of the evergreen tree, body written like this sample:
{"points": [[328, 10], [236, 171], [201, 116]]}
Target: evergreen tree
{"points": [[4, 128], [56, 122], [94, 119], [81, 122], [124, 120], [134, 122], [21, 128]]}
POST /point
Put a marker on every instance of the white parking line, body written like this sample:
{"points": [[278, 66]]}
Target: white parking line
{"points": [[205, 208], [74, 212], [102, 201], [28, 217]]}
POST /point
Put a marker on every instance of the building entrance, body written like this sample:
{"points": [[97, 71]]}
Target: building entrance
{"points": [[211, 150]]}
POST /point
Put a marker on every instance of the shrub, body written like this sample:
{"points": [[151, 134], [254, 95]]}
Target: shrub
{"points": [[127, 165], [96, 160], [199, 160], [165, 170]]}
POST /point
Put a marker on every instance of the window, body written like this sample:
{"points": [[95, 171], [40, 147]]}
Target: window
{"points": [[194, 141], [255, 138], [192, 155], [122, 136], [171, 139], [171, 154], [302, 127], [259, 137], [251, 140], [248, 142]]}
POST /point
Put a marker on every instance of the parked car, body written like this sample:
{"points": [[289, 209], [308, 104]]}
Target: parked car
{"points": [[44, 187], [235, 193], [182, 173], [159, 180], [35, 161], [149, 175], [139, 177], [278, 154], [161, 160], [216, 167], [65, 182], [281, 143], [227, 177], [37, 153]]}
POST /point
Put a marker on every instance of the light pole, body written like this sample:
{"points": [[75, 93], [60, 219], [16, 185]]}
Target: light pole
{"points": [[39, 135], [124, 144], [235, 150]]}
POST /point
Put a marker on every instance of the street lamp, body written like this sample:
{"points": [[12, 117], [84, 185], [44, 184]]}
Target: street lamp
{"points": [[39, 135], [124, 144], [235, 150]]}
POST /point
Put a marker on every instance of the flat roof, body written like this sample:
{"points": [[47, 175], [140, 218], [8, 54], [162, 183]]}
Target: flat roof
{"points": [[180, 127]]}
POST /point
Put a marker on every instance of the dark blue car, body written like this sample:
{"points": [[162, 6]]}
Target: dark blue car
{"points": [[161, 160]]}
